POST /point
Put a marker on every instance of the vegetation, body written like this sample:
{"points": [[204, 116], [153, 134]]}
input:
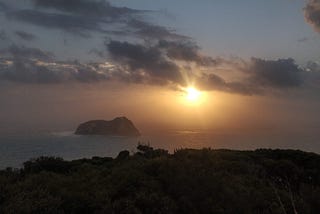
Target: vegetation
{"points": [[153, 181]]}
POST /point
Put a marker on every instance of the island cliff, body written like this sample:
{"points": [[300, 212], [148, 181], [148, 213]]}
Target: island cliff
{"points": [[119, 126]]}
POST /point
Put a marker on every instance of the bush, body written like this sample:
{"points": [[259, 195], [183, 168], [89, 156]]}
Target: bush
{"points": [[154, 181]]}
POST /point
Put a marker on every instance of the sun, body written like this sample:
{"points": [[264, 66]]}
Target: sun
{"points": [[192, 94]]}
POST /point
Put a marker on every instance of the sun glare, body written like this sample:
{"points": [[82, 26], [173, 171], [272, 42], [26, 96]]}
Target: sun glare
{"points": [[192, 94]]}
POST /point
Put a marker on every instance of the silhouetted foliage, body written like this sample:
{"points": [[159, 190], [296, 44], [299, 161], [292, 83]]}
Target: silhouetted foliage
{"points": [[148, 152], [154, 181], [123, 155], [52, 164]]}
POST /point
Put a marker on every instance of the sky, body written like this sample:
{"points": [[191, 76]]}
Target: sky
{"points": [[255, 63]]}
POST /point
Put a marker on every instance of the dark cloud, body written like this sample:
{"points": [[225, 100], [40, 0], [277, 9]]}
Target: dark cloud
{"points": [[155, 65], [185, 50], [312, 14], [146, 65], [89, 73], [71, 23], [150, 31], [169, 50], [281, 73], [257, 77], [39, 72], [160, 61], [25, 35], [148, 60], [81, 17], [3, 6], [140, 54], [92, 14], [211, 82], [244, 88], [29, 72], [86, 7], [137, 64], [26, 53], [3, 35]]}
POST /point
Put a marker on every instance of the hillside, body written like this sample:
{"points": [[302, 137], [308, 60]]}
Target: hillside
{"points": [[153, 181]]}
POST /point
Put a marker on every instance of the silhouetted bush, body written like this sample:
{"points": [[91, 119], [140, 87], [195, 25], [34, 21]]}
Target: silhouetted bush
{"points": [[148, 152], [154, 181], [53, 164], [123, 155]]}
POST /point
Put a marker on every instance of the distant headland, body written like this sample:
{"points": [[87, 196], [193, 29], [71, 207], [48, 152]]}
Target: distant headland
{"points": [[120, 126]]}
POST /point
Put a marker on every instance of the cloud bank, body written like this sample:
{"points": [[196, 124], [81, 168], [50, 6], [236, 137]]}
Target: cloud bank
{"points": [[153, 65]]}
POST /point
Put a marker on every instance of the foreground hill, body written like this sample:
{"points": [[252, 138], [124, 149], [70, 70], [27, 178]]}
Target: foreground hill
{"points": [[153, 181]]}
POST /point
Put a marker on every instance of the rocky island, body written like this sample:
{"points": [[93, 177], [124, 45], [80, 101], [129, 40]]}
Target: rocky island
{"points": [[120, 126]]}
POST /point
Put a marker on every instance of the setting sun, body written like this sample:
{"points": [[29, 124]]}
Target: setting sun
{"points": [[192, 94]]}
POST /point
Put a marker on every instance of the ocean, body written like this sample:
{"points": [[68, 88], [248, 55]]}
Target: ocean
{"points": [[17, 148]]}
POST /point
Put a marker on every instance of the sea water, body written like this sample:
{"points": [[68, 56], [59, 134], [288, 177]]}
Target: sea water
{"points": [[16, 148]]}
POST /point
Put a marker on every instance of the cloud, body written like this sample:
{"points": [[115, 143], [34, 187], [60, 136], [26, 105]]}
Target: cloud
{"points": [[210, 82], [86, 7], [3, 35], [136, 64], [255, 77], [22, 52], [160, 61], [133, 66], [29, 72], [149, 31], [81, 17], [145, 60], [312, 14], [213, 82], [163, 50], [185, 50], [313, 74], [25, 36], [313, 66], [281, 73], [41, 72], [71, 23], [3, 6], [156, 65]]}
